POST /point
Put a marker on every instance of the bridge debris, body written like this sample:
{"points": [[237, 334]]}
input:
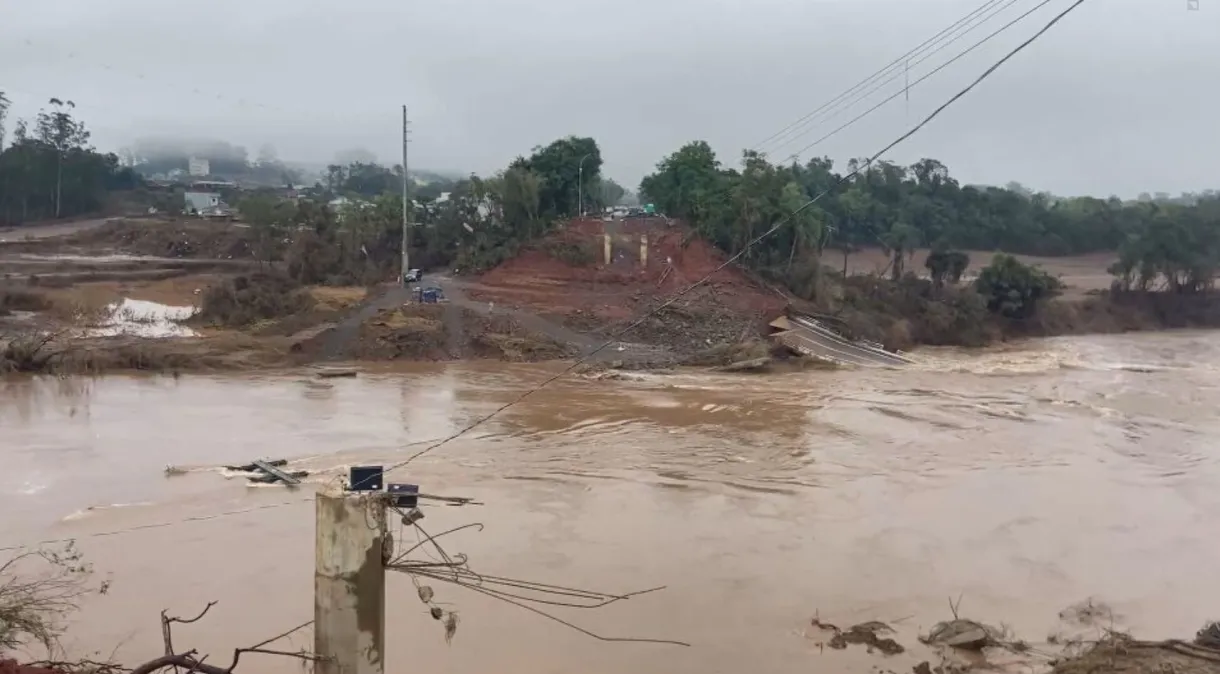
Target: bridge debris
{"points": [[268, 472], [812, 337]]}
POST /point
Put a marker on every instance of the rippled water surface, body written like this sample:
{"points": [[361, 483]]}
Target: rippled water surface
{"points": [[1023, 479]]}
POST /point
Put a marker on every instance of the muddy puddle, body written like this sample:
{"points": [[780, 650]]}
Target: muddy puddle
{"points": [[1020, 481]]}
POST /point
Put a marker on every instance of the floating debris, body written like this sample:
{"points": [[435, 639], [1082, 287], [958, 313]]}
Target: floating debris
{"points": [[269, 472], [865, 633], [964, 634]]}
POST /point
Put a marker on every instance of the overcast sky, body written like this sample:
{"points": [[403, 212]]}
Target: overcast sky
{"points": [[1113, 100]]}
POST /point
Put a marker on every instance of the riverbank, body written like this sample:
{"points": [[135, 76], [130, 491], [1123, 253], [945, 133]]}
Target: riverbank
{"points": [[203, 302]]}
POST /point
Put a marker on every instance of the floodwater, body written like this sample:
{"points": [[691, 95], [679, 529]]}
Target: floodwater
{"points": [[1021, 480]]}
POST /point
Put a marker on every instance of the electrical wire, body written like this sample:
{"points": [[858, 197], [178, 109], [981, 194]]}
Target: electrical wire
{"points": [[620, 333], [750, 244], [459, 573], [905, 90], [939, 68], [158, 525], [561, 621], [901, 59]]}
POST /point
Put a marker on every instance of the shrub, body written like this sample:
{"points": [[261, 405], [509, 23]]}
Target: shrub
{"points": [[569, 252], [19, 299], [946, 265], [39, 590], [246, 299], [1015, 290]]}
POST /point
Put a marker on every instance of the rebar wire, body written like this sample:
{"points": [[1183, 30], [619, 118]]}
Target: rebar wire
{"points": [[601, 600], [534, 586], [402, 555], [440, 549], [561, 621], [457, 572]]}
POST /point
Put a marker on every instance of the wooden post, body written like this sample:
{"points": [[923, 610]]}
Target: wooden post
{"points": [[606, 248], [349, 583], [644, 251]]}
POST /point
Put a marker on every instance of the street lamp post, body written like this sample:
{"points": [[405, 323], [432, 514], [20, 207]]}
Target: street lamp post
{"points": [[580, 184]]}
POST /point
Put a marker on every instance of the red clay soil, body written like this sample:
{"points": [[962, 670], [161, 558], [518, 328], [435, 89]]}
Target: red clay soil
{"points": [[593, 293]]}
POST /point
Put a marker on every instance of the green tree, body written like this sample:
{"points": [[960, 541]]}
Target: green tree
{"points": [[570, 172], [58, 130], [900, 241], [520, 191], [946, 266], [806, 223], [1015, 290], [53, 171], [1174, 245], [688, 184], [270, 219], [610, 193], [4, 106]]}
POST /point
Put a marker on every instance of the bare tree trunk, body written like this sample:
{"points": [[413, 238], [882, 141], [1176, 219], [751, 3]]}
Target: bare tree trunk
{"points": [[59, 180]]}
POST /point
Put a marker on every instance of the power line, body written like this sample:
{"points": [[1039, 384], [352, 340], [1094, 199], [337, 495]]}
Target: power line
{"points": [[636, 323], [939, 68], [158, 525], [449, 500], [895, 74], [619, 334], [882, 71]]}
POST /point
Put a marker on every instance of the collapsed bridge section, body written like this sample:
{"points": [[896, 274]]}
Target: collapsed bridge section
{"points": [[814, 338]]}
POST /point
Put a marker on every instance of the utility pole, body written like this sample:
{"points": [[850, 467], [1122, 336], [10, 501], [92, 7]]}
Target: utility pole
{"points": [[907, 88], [580, 184], [349, 582], [406, 196]]}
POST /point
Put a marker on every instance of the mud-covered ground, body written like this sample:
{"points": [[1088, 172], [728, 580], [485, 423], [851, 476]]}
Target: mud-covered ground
{"points": [[567, 279], [622, 289], [66, 305]]}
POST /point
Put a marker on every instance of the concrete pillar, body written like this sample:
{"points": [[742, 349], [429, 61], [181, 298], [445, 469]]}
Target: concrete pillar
{"points": [[644, 250], [349, 583], [606, 248]]}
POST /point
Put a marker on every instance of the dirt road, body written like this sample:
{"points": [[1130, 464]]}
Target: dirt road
{"points": [[339, 340], [50, 230], [588, 346]]}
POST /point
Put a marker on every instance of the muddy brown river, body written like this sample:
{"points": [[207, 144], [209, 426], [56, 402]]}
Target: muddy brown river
{"points": [[1022, 480]]}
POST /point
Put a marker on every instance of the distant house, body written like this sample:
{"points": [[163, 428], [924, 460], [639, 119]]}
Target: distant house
{"points": [[210, 185], [198, 167], [198, 202], [205, 204]]}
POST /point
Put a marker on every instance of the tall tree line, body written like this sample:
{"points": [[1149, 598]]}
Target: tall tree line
{"points": [[481, 222], [50, 170], [900, 208]]}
